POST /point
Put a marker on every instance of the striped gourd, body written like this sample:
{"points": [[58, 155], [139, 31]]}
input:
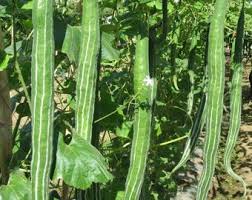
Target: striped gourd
{"points": [[87, 69], [215, 93], [194, 134], [42, 97], [190, 96], [236, 100], [199, 120], [144, 89], [5, 123], [191, 74]]}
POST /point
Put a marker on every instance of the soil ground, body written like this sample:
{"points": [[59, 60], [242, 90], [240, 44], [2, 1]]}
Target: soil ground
{"points": [[224, 187]]}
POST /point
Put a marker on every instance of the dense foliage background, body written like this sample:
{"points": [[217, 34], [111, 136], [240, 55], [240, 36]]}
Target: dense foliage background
{"points": [[178, 46]]}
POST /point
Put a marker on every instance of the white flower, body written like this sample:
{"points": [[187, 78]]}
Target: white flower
{"points": [[148, 81], [176, 1]]}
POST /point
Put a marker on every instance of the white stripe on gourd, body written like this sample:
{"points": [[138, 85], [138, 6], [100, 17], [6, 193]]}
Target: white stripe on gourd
{"points": [[236, 100], [145, 94], [42, 97], [87, 69], [215, 91], [195, 131], [190, 96]]}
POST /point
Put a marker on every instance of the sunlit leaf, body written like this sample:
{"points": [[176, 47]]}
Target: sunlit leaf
{"points": [[124, 130], [71, 44], [18, 188], [108, 52], [4, 60], [28, 5], [80, 164]]}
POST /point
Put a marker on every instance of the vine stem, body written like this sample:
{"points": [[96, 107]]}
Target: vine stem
{"points": [[16, 64], [171, 141], [154, 146]]}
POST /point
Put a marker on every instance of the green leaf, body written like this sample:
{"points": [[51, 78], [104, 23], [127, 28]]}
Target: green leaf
{"points": [[80, 164], [19, 188], [3, 12], [157, 4], [120, 110], [4, 60], [159, 103], [108, 51], [158, 129], [27, 6], [9, 49], [71, 44], [124, 130], [120, 195]]}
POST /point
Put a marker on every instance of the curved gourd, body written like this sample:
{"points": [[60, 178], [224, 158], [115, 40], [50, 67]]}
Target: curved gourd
{"points": [[195, 131], [42, 97], [236, 100], [215, 93]]}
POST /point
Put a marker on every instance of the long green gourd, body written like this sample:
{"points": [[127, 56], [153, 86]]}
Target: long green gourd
{"points": [[236, 100], [215, 93], [144, 89], [195, 131], [87, 69], [42, 97], [87, 73], [199, 120], [191, 74]]}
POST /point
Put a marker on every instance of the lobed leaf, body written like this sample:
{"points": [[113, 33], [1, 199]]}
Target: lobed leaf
{"points": [[80, 164]]}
